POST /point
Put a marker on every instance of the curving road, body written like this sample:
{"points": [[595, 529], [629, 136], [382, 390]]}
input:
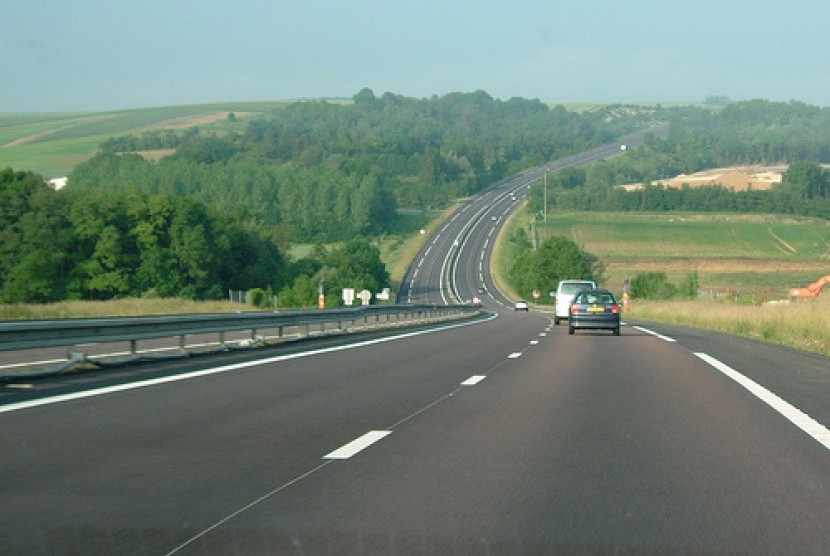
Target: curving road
{"points": [[502, 436]]}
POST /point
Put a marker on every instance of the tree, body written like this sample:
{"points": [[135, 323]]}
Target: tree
{"points": [[557, 258], [356, 264]]}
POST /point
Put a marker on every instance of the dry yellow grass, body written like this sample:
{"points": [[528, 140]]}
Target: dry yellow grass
{"points": [[117, 308], [804, 324]]}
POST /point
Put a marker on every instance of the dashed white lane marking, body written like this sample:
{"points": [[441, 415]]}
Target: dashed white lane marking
{"points": [[515, 355], [800, 419], [357, 445], [655, 334], [473, 380], [534, 342]]}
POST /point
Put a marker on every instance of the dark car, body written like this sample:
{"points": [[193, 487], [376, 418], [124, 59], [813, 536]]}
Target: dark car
{"points": [[596, 309]]}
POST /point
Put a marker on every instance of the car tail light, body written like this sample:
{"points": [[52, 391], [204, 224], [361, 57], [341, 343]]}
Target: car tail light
{"points": [[615, 308], [574, 309]]}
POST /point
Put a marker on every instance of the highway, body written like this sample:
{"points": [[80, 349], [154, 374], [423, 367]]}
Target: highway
{"points": [[503, 435]]}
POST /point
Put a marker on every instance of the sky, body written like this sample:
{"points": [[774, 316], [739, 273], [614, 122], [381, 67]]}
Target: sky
{"points": [[97, 55]]}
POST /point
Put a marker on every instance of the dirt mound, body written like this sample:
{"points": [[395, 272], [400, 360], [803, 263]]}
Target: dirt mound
{"points": [[737, 178]]}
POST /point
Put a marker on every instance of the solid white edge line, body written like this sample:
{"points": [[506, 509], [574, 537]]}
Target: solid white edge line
{"points": [[800, 419], [655, 334], [357, 445], [473, 380], [223, 369]]}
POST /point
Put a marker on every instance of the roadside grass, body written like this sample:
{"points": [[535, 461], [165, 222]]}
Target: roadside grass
{"points": [[127, 307], [502, 258], [803, 325]]}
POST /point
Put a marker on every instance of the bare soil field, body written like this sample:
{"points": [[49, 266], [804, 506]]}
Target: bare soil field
{"points": [[737, 178]]}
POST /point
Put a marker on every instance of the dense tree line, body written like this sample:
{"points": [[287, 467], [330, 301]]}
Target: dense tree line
{"points": [[57, 245], [69, 245], [330, 171], [756, 132], [803, 191]]}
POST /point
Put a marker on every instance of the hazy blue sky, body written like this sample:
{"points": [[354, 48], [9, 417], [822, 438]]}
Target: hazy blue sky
{"points": [[103, 54]]}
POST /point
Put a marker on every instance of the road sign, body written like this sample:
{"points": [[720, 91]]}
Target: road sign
{"points": [[348, 296]]}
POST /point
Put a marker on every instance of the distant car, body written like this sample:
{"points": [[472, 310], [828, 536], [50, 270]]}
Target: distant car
{"points": [[481, 290], [594, 309], [476, 300], [565, 292], [521, 305]]}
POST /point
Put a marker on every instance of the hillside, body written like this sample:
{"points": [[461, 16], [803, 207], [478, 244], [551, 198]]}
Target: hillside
{"points": [[51, 143]]}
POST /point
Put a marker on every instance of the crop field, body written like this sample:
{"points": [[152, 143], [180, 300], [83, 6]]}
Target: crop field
{"points": [[52, 143], [759, 256]]}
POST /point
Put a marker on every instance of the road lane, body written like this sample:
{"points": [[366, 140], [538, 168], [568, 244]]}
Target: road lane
{"points": [[130, 471], [588, 442]]}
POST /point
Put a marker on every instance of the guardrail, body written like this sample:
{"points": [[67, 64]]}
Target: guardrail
{"points": [[70, 332]]}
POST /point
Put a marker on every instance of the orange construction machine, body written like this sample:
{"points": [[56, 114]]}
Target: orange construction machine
{"points": [[813, 290]]}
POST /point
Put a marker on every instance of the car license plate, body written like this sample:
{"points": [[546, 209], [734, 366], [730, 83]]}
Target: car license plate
{"points": [[596, 309]]}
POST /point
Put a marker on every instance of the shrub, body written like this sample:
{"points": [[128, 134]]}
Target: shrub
{"points": [[652, 285]]}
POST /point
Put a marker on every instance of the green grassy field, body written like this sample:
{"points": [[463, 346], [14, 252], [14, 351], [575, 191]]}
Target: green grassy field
{"points": [[756, 255], [52, 143]]}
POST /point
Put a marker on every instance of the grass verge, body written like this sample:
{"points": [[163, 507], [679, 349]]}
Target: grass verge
{"points": [[128, 307], [803, 325]]}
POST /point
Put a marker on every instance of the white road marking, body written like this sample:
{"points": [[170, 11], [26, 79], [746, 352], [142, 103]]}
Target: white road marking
{"points": [[357, 445], [515, 355], [797, 417], [655, 334], [534, 342], [473, 380], [543, 334]]}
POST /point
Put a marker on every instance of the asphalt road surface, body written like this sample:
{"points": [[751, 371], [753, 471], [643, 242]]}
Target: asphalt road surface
{"points": [[503, 437]]}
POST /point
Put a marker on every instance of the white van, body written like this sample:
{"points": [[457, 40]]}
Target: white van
{"points": [[565, 292]]}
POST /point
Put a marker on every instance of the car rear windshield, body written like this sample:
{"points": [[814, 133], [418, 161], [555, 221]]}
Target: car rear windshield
{"points": [[571, 288], [598, 298]]}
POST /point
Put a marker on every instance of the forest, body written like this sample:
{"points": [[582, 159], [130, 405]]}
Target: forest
{"points": [[57, 245], [329, 171]]}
